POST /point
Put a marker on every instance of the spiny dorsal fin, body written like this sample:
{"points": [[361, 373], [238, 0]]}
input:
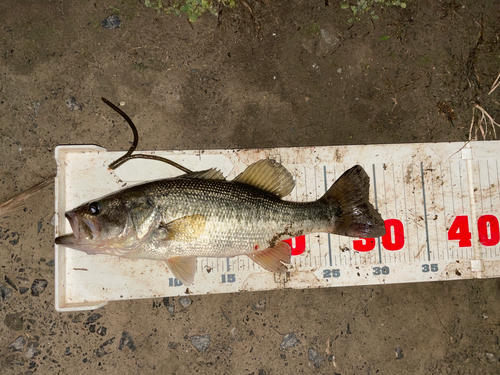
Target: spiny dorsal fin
{"points": [[268, 175], [209, 174]]}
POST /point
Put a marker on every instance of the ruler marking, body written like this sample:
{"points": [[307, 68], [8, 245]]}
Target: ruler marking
{"points": [[318, 236], [480, 186], [385, 193], [489, 184], [435, 215], [394, 189], [452, 193], [329, 235], [425, 213], [376, 207], [415, 212], [461, 189], [444, 209], [406, 208]]}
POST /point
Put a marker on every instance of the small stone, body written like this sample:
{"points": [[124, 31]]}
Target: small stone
{"points": [[100, 351], [111, 22], [23, 289], [490, 357], [289, 341], [201, 343], [185, 301], [260, 305], [31, 350], [50, 263], [173, 345], [127, 340], [122, 104], [329, 37], [67, 351], [18, 344], [102, 331], [10, 282], [314, 356], [5, 292], [14, 321], [262, 372], [171, 310], [92, 318], [399, 353], [73, 104], [38, 287], [170, 306], [92, 328]]}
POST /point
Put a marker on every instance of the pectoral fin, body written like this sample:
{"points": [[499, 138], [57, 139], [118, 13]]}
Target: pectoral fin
{"points": [[183, 268], [272, 258], [186, 228]]}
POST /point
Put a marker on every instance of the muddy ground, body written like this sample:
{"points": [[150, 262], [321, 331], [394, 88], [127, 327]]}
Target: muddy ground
{"points": [[266, 74]]}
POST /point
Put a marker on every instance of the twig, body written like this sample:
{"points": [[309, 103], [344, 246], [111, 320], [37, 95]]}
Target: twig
{"points": [[20, 199], [495, 84]]}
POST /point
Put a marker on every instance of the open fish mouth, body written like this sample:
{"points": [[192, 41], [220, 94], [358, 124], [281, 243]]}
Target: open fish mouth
{"points": [[84, 229]]}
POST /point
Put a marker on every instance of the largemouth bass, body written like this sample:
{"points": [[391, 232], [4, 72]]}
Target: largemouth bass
{"points": [[202, 215]]}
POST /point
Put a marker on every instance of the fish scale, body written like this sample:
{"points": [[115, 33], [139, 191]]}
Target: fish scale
{"points": [[238, 217]]}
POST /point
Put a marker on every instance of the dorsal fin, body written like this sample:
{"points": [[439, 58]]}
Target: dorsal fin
{"points": [[209, 174], [268, 175]]}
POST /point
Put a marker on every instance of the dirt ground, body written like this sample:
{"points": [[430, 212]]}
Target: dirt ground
{"points": [[265, 74]]}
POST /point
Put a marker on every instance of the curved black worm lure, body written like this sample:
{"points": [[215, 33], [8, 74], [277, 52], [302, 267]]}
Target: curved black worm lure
{"points": [[128, 156]]}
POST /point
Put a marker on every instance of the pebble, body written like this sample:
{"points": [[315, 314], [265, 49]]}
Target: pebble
{"points": [[399, 353], [111, 22], [73, 104], [170, 307], [100, 351], [185, 301], [18, 344], [490, 357], [128, 341], [23, 289], [38, 287], [92, 318], [260, 305], [5, 292], [201, 343], [329, 38], [14, 321], [31, 350], [289, 341], [315, 357]]}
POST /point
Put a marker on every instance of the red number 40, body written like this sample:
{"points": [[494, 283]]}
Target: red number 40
{"points": [[487, 228]]}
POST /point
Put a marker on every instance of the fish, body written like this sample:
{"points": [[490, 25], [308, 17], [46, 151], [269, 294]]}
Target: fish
{"points": [[201, 214]]}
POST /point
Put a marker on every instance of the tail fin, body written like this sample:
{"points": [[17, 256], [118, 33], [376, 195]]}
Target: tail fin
{"points": [[353, 214]]}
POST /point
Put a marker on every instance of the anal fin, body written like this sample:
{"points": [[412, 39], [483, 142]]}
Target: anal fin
{"points": [[273, 258], [183, 268]]}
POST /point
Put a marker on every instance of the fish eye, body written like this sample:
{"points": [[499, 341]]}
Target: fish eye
{"points": [[94, 208]]}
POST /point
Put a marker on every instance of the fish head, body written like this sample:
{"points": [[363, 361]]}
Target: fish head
{"points": [[102, 226]]}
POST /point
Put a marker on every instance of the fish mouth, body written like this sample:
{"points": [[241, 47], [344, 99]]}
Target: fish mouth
{"points": [[84, 229], [73, 221]]}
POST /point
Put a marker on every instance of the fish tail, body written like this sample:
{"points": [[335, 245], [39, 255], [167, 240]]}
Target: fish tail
{"points": [[352, 213]]}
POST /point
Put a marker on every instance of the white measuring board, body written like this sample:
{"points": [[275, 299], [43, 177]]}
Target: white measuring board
{"points": [[440, 203]]}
